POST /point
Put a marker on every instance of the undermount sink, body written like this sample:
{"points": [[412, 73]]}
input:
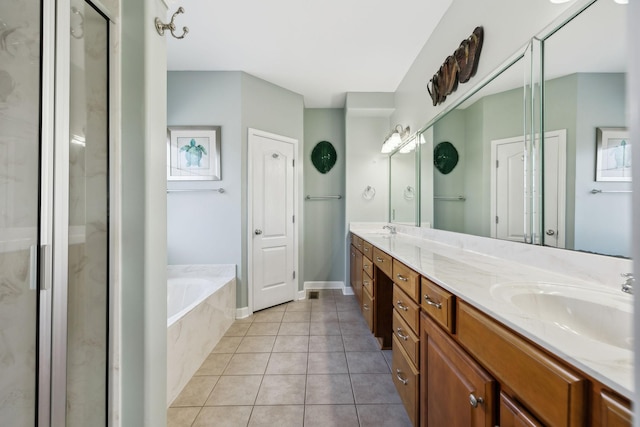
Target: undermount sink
{"points": [[602, 315]]}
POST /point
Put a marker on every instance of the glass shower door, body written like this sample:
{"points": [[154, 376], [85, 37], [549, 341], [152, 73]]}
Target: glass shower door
{"points": [[20, 107]]}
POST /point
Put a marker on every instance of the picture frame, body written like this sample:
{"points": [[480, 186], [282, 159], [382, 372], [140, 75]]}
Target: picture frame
{"points": [[613, 155], [193, 153]]}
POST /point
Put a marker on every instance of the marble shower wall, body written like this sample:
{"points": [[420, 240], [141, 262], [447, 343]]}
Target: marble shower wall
{"points": [[19, 157]]}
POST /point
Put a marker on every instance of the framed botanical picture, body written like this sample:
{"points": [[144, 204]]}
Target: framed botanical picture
{"points": [[613, 156], [193, 153]]}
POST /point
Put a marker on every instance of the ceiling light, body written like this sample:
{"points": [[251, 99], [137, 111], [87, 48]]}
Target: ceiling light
{"points": [[621, 1], [394, 139]]}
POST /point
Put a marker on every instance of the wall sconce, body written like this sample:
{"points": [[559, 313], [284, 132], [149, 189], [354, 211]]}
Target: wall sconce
{"points": [[394, 139]]}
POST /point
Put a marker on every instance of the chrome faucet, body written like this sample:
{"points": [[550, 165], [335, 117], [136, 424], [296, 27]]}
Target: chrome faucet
{"points": [[627, 286], [392, 228]]}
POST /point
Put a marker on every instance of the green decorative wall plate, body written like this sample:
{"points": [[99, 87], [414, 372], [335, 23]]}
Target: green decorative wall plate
{"points": [[324, 156], [445, 157]]}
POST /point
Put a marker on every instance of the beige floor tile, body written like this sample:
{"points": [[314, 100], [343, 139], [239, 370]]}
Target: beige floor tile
{"points": [[324, 316], [247, 364], [214, 364], [235, 390], [291, 344], [388, 356], [331, 415], [323, 305], [327, 363], [383, 416], [268, 316], [280, 416], [328, 389], [367, 362], [302, 305], [324, 328], [350, 316], [325, 343], [196, 392], [365, 342], [374, 388], [287, 364], [258, 328], [247, 319], [224, 416], [347, 305], [227, 345], [296, 316], [237, 329], [182, 417], [297, 328], [256, 344], [355, 328], [282, 390]]}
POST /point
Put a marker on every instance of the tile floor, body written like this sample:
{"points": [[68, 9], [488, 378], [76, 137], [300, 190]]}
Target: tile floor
{"points": [[305, 363]]}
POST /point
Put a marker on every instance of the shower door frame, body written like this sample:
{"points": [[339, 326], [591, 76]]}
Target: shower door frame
{"points": [[52, 340]]}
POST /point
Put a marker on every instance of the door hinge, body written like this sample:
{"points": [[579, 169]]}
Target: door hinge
{"points": [[497, 163], [496, 219], [293, 163], [293, 219], [294, 274]]}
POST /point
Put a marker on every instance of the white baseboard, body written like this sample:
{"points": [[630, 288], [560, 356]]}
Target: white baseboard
{"points": [[243, 312], [323, 285], [347, 290], [302, 295]]}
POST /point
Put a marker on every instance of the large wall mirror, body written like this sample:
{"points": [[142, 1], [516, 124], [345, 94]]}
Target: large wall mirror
{"points": [[587, 153], [403, 194]]}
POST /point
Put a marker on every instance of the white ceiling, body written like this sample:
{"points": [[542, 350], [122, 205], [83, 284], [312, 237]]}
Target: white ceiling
{"points": [[319, 49]]}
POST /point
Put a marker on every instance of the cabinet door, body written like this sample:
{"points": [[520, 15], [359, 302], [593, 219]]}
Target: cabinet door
{"points": [[460, 393], [512, 414], [615, 413], [352, 263], [357, 283]]}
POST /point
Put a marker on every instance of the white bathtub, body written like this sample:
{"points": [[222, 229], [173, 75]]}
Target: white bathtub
{"points": [[201, 305]]}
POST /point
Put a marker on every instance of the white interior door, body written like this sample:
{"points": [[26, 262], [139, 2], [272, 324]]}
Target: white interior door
{"points": [[507, 184], [271, 176], [509, 189]]}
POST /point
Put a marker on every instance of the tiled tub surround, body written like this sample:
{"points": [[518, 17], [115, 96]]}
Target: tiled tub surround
{"points": [[462, 265], [201, 306]]}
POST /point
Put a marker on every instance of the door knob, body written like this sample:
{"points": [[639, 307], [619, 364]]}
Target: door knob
{"points": [[550, 232], [257, 232]]}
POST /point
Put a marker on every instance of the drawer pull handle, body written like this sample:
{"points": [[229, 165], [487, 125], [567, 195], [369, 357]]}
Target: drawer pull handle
{"points": [[399, 334], [359, 245], [366, 249], [474, 401], [365, 283], [366, 266], [432, 302], [401, 277], [365, 306], [402, 380], [379, 259], [402, 306]]}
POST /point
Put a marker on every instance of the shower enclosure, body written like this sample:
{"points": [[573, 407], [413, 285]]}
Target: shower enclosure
{"points": [[54, 213]]}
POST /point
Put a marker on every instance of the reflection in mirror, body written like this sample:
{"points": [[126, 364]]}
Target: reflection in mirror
{"points": [[584, 90], [486, 127], [426, 178], [402, 184]]}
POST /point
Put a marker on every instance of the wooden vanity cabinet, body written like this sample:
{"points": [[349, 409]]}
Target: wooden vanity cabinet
{"points": [[455, 390], [383, 261], [439, 303], [614, 411], [512, 414], [357, 282], [368, 308]]}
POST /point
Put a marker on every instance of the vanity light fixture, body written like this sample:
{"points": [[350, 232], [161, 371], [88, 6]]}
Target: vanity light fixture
{"points": [[409, 146], [394, 139], [621, 1], [559, 1]]}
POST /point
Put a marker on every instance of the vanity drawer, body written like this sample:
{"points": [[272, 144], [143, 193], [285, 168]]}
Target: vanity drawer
{"points": [[367, 308], [357, 242], [406, 338], [406, 379], [406, 308], [367, 249], [367, 283], [438, 303], [552, 392], [407, 279], [367, 266], [383, 261]]}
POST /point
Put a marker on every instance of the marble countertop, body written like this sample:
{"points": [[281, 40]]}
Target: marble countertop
{"points": [[474, 277]]}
